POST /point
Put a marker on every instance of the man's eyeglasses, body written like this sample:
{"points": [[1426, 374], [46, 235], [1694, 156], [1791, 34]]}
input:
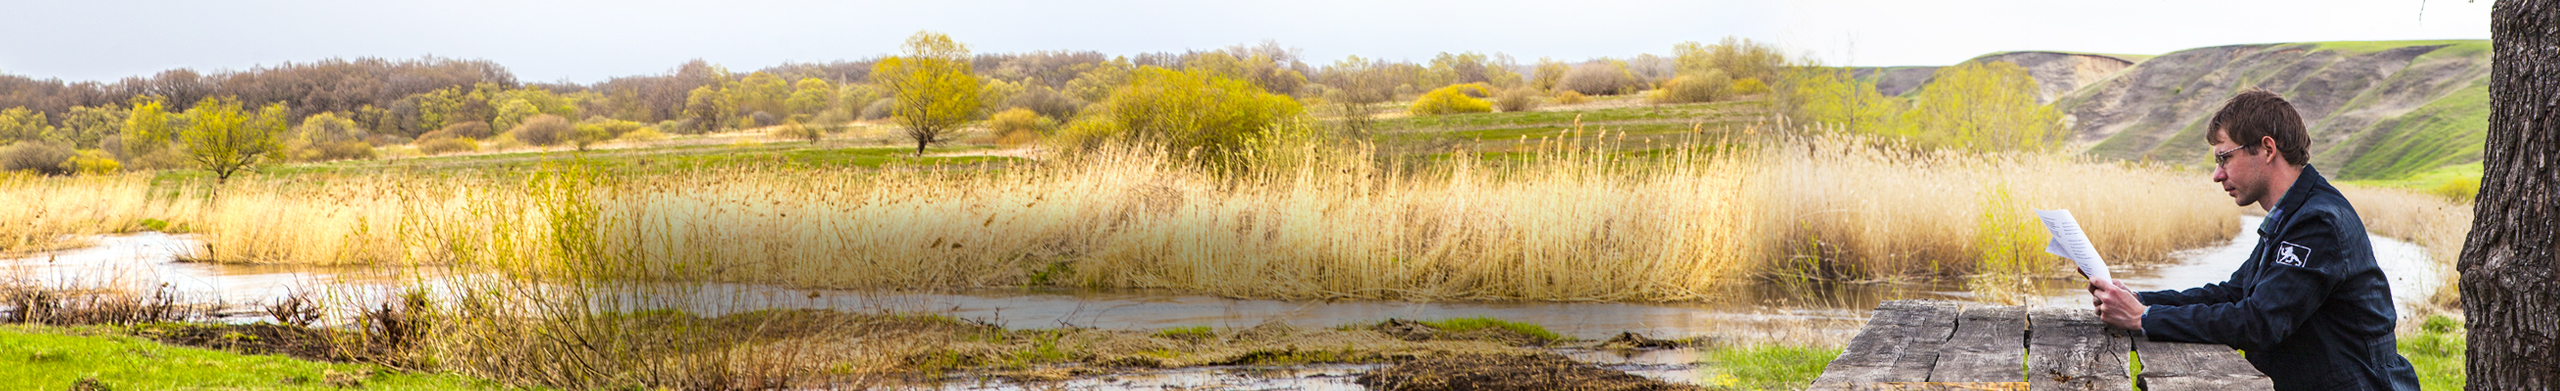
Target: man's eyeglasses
{"points": [[2225, 156]]}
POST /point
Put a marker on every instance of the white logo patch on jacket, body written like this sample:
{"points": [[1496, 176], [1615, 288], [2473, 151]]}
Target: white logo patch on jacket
{"points": [[2290, 254]]}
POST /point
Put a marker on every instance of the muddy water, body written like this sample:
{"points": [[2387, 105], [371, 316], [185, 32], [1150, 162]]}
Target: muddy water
{"points": [[1782, 311]]}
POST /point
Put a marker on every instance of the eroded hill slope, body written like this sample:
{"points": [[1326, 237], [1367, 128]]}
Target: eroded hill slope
{"points": [[2375, 109]]}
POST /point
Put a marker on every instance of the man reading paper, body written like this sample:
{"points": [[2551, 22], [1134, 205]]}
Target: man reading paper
{"points": [[2310, 307]]}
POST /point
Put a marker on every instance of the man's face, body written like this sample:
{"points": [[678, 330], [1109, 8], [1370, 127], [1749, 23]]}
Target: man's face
{"points": [[2242, 171]]}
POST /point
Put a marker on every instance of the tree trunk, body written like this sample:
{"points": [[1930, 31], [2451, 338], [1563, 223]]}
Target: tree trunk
{"points": [[2510, 268]]}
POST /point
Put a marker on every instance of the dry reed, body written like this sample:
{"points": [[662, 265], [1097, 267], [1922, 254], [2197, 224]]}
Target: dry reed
{"points": [[2430, 221], [1568, 226]]}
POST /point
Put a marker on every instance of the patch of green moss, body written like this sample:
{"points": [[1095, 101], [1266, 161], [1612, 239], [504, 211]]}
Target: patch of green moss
{"points": [[1460, 325]]}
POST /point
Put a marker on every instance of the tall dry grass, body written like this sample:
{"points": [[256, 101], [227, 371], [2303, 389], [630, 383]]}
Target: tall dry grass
{"points": [[1570, 224], [573, 268], [48, 213], [2431, 221]]}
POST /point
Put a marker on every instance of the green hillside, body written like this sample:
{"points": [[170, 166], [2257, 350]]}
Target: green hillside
{"points": [[2378, 110]]}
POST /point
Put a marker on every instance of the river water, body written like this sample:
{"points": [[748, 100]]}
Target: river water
{"points": [[1810, 311]]}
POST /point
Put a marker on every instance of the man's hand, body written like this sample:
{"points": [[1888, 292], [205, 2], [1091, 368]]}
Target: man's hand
{"points": [[2116, 305]]}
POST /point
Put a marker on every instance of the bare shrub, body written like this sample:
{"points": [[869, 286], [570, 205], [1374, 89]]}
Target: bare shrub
{"points": [[36, 156], [880, 109], [543, 130], [1570, 97], [295, 308], [797, 131], [345, 150], [445, 145], [1048, 102], [76, 305], [1516, 99], [1599, 78], [760, 119], [1711, 86], [1019, 125]]}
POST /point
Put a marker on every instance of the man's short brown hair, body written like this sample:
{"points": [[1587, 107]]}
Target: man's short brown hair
{"points": [[2256, 113]]}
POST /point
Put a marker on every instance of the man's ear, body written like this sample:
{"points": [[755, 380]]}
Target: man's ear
{"points": [[2270, 143]]}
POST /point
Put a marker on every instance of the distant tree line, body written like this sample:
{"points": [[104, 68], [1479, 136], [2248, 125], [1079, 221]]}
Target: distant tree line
{"points": [[343, 109]]}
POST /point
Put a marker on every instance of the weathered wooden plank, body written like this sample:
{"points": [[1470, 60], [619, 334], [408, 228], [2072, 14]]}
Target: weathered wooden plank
{"points": [[1921, 386], [1899, 344], [2068, 349], [2195, 366], [1989, 345]]}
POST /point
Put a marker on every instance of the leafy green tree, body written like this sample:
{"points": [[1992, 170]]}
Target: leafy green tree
{"points": [[811, 96], [147, 131], [589, 134], [710, 107], [1737, 58], [1833, 96], [224, 138], [992, 94], [513, 112], [933, 87], [85, 126], [1196, 115], [1097, 80], [762, 92], [21, 124], [1984, 107], [1548, 73]]}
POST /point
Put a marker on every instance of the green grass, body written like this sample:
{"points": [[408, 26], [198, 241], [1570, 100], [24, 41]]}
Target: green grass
{"points": [[51, 358], [1766, 367], [1193, 333], [2363, 47], [2444, 132], [2437, 353], [1460, 325], [2447, 181], [2469, 49]]}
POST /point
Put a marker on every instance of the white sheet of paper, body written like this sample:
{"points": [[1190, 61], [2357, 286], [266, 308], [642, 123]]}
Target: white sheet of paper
{"points": [[2071, 243]]}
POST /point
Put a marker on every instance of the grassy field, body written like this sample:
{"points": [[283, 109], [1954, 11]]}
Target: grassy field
{"points": [[53, 358]]}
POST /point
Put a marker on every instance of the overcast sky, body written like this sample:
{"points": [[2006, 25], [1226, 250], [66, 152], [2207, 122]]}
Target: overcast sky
{"points": [[587, 41]]}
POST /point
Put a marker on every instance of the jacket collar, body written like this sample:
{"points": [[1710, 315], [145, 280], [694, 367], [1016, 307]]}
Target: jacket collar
{"points": [[2303, 186]]}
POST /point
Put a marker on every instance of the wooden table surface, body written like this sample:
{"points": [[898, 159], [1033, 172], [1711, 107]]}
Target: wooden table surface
{"points": [[1944, 345]]}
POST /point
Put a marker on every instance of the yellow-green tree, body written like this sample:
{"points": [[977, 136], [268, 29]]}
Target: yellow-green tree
{"points": [[224, 138], [1195, 115], [147, 130], [710, 107], [1985, 107], [811, 96], [933, 87], [762, 92], [1834, 97], [1549, 72], [1737, 58], [20, 124]]}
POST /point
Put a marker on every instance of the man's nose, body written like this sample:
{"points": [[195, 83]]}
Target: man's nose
{"points": [[2219, 174]]}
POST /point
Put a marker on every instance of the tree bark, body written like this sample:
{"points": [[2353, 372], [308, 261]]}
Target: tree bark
{"points": [[2510, 268]]}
